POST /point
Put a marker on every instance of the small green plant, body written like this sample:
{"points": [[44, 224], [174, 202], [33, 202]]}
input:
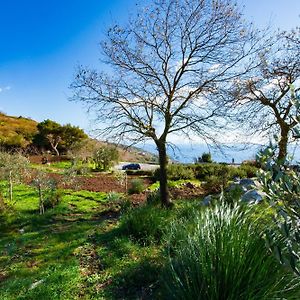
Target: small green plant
{"points": [[153, 197], [147, 223], [114, 197], [137, 186]]}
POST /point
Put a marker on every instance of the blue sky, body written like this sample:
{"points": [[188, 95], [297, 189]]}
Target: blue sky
{"points": [[41, 42]]}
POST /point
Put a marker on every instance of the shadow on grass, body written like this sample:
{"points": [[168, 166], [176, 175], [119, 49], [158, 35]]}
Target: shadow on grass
{"points": [[129, 270]]}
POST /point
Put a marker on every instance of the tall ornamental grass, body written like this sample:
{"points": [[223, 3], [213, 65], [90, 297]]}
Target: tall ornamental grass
{"points": [[220, 253]]}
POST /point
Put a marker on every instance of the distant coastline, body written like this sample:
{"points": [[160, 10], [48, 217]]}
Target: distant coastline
{"points": [[186, 153]]}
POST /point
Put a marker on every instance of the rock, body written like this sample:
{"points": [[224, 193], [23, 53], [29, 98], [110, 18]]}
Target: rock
{"points": [[207, 200], [247, 183], [36, 283], [253, 196]]}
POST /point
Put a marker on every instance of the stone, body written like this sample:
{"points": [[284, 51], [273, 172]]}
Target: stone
{"points": [[207, 200], [253, 196], [36, 283], [247, 182]]}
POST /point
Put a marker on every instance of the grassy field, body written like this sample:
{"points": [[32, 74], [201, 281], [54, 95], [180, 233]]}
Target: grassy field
{"points": [[96, 245], [76, 250]]}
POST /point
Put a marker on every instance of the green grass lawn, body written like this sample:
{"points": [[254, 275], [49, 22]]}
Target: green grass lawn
{"points": [[76, 250], [97, 246]]}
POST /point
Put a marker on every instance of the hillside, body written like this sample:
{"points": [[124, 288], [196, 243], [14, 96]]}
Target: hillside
{"points": [[18, 132]]}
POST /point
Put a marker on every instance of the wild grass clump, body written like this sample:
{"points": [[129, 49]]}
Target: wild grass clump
{"points": [[220, 253], [147, 223], [137, 186]]}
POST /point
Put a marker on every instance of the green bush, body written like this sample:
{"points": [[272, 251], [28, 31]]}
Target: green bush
{"points": [[52, 198], [146, 224], [177, 172], [148, 173], [221, 254], [153, 197], [202, 171], [137, 186]]}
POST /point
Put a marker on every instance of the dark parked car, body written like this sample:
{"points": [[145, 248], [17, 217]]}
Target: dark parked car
{"points": [[131, 167]]}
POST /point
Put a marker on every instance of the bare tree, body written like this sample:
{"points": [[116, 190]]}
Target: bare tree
{"points": [[164, 70], [270, 99]]}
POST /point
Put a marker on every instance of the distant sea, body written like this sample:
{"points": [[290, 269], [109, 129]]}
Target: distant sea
{"points": [[187, 153]]}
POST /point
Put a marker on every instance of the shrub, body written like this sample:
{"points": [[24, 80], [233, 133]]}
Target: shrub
{"points": [[177, 172], [136, 186], [221, 254], [146, 224], [114, 197], [148, 173], [202, 171], [52, 199], [206, 157], [213, 184], [153, 197]]}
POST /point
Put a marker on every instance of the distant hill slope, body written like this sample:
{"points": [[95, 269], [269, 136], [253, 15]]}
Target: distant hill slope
{"points": [[18, 132]]}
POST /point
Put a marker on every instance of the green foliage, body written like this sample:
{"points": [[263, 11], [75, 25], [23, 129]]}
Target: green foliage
{"points": [[205, 158], [202, 171], [147, 223], [176, 172], [220, 253], [137, 186], [213, 184], [53, 136], [13, 168], [282, 187], [153, 197], [104, 157], [114, 197]]}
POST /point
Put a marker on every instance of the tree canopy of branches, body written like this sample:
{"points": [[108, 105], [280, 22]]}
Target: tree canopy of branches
{"points": [[166, 67], [59, 137], [270, 99]]}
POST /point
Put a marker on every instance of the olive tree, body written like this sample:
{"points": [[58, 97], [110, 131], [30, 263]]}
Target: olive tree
{"points": [[105, 156], [13, 168], [165, 71]]}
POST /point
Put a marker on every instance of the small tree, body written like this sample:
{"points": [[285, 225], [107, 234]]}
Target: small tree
{"points": [[51, 132], [269, 100], [13, 168], [205, 157], [46, 188], [105, 156], [59, 137]]}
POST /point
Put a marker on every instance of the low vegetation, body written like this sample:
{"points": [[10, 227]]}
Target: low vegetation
{"points": [[61, 242]]}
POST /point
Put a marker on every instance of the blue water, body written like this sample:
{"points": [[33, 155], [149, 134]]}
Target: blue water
{"points": [[186, 153]]}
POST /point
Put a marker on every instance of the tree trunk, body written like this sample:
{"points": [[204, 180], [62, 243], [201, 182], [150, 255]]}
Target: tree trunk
{"points": [[10, 187], [163, 180], [41, 204], [56, 151], [283, 144]]}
